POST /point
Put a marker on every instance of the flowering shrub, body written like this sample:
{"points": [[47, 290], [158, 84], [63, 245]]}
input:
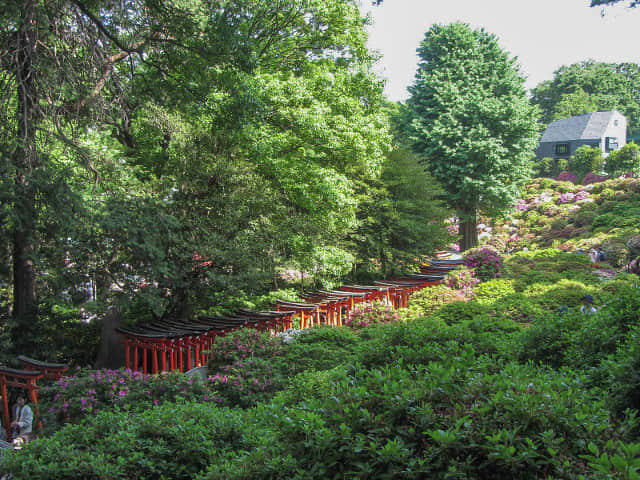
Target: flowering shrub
{"points": [[567, 197], [544, 197], [512, 241], [581, 196], [83, 394], [453, 229], [486, 262], [293, 276], [241, 367], [241, 345], [567, 177], [463, 280], [290, 335], [246, 382], [594, 178], [366, 314]]}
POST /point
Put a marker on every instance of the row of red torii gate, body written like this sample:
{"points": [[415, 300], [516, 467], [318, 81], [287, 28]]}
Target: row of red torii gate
{"points": [[182, 345]]}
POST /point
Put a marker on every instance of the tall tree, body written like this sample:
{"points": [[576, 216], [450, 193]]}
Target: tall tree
{"points": [[192, 144], [401, 215], [471, 122]]}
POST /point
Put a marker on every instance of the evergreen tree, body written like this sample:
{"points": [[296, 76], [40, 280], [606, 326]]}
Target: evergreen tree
{"points": [[471, 122]]}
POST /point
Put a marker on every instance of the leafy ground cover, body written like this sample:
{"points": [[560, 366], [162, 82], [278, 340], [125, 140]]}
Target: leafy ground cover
{"points": [[503, 378]]}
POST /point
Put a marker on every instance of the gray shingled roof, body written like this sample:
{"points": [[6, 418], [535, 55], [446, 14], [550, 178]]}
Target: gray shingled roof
{"points": [[590, 126]]}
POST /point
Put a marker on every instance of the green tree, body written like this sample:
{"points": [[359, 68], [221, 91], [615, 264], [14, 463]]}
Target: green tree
{"points": [[401, 216], [471, 122], [192, 146], [585, 160], [625, 160]]}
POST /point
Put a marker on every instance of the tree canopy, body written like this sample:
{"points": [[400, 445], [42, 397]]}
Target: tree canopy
{"points": [[168, 151], [471, 122]]}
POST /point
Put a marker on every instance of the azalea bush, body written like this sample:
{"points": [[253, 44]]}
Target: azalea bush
{"points": [[486, 262], [241, 345], [241, 367], [494, 289], [244, 383], [567, 177], [85, 393], [462, 280], [594, 178], [429, 300], [371, 313]]}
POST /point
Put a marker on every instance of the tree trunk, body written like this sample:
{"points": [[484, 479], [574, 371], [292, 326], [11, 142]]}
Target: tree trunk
{"points": [[26, 162], [469, 231]]}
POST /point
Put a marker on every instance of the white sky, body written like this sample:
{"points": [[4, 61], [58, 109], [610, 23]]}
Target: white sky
{"points": [[542, 34]]}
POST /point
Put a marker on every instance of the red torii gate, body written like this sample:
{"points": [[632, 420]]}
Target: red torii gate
{"points": [[306, 311], [26, 379], [374, 292], [167, 342], [175, 338]]}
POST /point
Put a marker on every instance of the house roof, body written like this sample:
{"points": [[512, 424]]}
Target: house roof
{"points": [[590, 126]]}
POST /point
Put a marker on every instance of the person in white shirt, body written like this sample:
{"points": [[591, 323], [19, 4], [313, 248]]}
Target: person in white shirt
{"points": [[22, 419]]}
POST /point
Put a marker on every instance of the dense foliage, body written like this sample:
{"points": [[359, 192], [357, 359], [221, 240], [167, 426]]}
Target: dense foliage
{"points": [[471, 122], [183, 155], [164, 157], [474, 390], [504, 378]]}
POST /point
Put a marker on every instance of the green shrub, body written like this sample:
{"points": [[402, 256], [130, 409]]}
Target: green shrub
{"points": [[548, 339], [460, 312], [535, 277], [175, 441], [544, 167], [565, 292], [466, 414], [428, 300], [606, 198], [604, 221], [619, 374], [625, 160], [617, 253], [84, 394], [492, 290], [586, 159], [318, 348], [516, 307], [584, 218]]}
